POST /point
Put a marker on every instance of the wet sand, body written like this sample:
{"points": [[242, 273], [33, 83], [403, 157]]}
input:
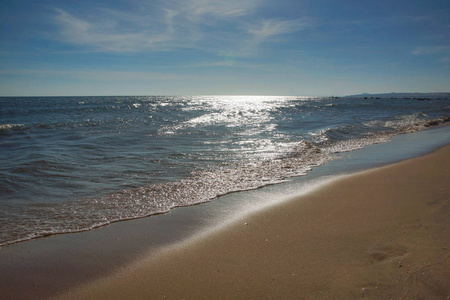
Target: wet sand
{"points": [[379, 234]]}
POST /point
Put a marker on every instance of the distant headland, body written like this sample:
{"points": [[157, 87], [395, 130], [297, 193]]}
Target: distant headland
{"points": [[414, 96]]}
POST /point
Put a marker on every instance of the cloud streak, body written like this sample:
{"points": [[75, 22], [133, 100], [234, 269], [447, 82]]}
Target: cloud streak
{"points": [[94, 75], [431, 50], [441, 51], [269, 28], [106, 35], [218, 9], [208, 25]]}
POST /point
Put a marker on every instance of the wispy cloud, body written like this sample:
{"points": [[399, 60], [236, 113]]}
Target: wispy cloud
{"points": [[442, 52], [219, 9], [431, 50], [226, 63], [93, 74], [210, 25], [266, 29], [108, 34]]}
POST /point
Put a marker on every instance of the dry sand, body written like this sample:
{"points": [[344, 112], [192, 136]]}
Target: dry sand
{"points": [[380, 234]]}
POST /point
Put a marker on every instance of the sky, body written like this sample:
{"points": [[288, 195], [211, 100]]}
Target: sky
{"points": [[232, 47]]}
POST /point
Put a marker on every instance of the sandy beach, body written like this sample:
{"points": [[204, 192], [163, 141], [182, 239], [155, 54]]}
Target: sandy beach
{"points": [[379, 234]]}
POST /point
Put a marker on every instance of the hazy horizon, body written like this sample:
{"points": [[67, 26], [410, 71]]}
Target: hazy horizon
{"points": [[236, 95]]}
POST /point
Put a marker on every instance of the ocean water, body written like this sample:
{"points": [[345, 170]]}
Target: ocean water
{"points": [[70, 164]]}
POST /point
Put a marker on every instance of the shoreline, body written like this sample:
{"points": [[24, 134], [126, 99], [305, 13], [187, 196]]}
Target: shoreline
{"points": [[376, 234], [45, 267]]}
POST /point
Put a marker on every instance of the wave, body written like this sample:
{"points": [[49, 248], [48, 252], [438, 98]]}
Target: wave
{"points": [[202, 186], [351, 137], [4, 128]]}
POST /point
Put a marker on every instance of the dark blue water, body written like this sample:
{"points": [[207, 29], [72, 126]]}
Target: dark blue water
{"points": [[74, 163]]}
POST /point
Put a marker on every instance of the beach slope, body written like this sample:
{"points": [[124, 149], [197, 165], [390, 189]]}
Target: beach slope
{"points": [[379, 234]]}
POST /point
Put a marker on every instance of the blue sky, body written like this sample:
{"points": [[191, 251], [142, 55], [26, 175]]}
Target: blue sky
{"points": [[198, 47]]}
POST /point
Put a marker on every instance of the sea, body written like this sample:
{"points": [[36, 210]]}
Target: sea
{"points": [[71, 164]]}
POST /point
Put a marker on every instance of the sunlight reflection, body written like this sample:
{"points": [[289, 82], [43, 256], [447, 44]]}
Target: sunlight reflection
{"points": [[243, 121]]}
